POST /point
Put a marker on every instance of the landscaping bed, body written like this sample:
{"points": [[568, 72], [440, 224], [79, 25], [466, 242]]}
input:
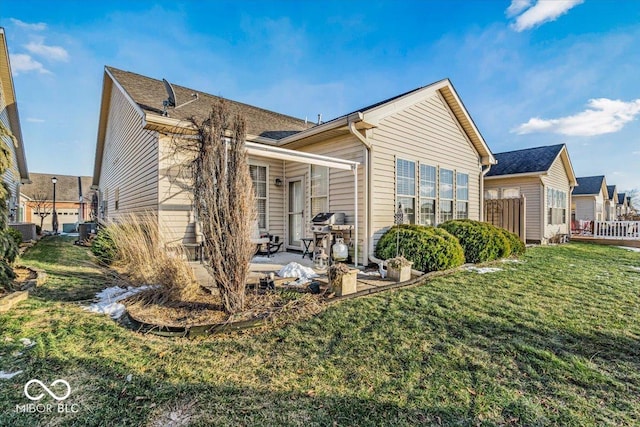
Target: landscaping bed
{"points": [[550, 340]]}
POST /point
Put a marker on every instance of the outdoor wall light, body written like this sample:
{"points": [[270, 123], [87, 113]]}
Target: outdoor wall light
{"points": [[278, 182]]}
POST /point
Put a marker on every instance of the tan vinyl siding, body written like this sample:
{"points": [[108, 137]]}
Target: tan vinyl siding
{"points": [[341, 182], [531, 188], [426, 133], [130, 160], [557, 179], [12, 176], [176, 196], [585, 207]]}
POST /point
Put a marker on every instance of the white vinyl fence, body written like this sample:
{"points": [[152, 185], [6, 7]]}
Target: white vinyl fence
{"points": [[620, 230]]}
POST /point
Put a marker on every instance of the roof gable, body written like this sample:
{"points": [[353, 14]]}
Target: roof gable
{"points": [[589, 185], [611, 191], [622, 198], [66, 187], [149, 93], [530, 160]]}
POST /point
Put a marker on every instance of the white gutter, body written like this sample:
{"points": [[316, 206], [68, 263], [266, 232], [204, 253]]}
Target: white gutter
{"points": [[369, 250]]}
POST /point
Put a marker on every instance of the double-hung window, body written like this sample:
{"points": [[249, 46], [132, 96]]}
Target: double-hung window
{"points": [[427, 195], [446, 194], [406, 189], [319, 189], [556, 206], [462, 195], [259, 178]]}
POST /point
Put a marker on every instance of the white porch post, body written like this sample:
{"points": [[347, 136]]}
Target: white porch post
{"points": [[355, 200]]}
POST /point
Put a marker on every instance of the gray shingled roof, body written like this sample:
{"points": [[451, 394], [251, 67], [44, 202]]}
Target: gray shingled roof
{"points": [[66, 187], [149, 94], [621, 197], [588, 185], [610, 190], [537, 159]]}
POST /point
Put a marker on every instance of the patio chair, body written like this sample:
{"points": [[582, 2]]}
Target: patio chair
{"points": [[269, 248]]}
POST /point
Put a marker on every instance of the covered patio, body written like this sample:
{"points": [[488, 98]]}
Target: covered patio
{"points": [[262, 267]]}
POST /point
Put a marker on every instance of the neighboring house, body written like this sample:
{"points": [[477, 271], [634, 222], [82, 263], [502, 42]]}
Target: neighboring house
{"points": [[622, 206], [17, 174], [611, 203], [38, 198], [631, 210], [419, 150], [545, 177], [588, 198]]}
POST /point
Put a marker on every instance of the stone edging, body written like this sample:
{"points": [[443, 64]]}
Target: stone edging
{"points": [[220, 328], [8, 301]]}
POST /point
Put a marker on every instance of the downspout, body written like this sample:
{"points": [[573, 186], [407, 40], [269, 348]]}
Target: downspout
{"points": [[351, 122], [483, 173]]}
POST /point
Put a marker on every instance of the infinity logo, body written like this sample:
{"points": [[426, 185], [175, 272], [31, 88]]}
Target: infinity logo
{"points": [[45, 388]]}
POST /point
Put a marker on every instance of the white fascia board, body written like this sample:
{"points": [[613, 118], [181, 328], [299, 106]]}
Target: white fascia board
{"points": [[516, 175]]}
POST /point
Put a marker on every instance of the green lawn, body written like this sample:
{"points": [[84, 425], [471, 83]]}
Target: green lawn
{"points": [[551, 340]]}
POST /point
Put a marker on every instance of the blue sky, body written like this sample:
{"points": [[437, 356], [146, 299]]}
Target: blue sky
{"points": [[530, 72]]}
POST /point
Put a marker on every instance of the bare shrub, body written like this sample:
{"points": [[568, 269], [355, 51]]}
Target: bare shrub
{"points": [[224, 203]]}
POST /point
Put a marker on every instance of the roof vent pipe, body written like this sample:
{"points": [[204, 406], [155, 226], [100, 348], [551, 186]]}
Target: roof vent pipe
{"points": [[319, 118]]}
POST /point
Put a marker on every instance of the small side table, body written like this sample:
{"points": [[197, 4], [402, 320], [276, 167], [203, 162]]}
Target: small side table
{"points": [[306, 241]]}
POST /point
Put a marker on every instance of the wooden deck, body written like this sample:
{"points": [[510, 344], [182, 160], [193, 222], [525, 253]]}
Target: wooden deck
{"points": [[600, 241]]}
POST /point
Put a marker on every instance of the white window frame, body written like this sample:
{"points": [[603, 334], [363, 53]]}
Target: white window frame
{"points": [[317, 196], [444, 199], [556, 199], [414, 196], [508, 189], [422, 198], [459, 199], [266, 208]]}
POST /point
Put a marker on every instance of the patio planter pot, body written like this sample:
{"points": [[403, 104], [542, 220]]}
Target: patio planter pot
{"points": [[401, 274], [399, 269], [343, 280]]}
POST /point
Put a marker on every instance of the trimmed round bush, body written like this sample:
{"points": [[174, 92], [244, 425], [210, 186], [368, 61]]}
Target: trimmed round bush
{"points": [[103, 247], [480, 241], [429, 248], [516, 245]]}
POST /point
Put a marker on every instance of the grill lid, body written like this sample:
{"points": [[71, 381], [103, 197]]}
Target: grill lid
{"points": [[322, 218], [328, 218]]}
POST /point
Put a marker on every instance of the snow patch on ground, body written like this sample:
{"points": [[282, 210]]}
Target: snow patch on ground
{"points": [[517, 261], [108, 300], [633, 267], [483, 270], [293, 269], [27, 342], [8, 375], [630, 248]]}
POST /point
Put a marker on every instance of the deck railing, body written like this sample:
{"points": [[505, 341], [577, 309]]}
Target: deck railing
{"points": [[620, 230]]}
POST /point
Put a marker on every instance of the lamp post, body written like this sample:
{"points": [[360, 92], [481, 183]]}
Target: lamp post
{"points": [[54, 219]]}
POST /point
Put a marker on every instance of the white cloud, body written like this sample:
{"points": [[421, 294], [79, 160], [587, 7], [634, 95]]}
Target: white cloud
{"points": [[34, 120], [53, 53], [636, 153], [602, 116], [516, 7], [40, 26], [543, 11], [21, 62]]}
